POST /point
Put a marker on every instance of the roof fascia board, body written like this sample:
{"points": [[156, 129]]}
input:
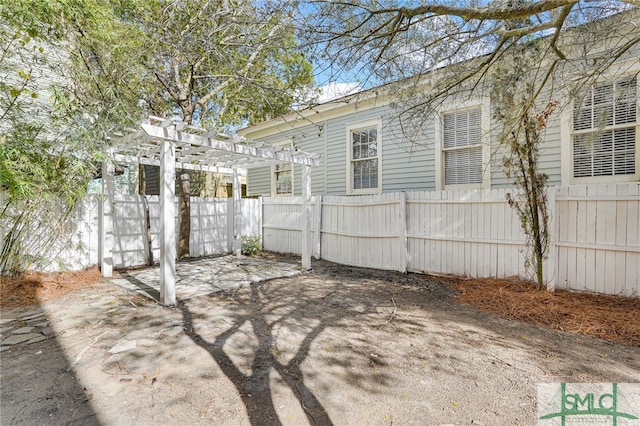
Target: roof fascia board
{"points": [[317, 114]]}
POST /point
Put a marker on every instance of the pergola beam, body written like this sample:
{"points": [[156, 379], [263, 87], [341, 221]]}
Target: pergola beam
{"points": [[179, 165], [228, 146], [170, 145]]}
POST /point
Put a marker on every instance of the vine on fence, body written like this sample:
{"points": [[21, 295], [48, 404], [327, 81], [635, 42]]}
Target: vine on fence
{"points": [[515, 95], [532, 203]]}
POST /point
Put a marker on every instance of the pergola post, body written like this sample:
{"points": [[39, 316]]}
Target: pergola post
{"points": [[168, 223], [169, 144], [306, 217], [237, 218], [106, 219]]}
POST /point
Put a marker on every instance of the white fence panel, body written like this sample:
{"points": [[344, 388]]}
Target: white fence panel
{"points": [[129, 231], [281, 228], [251, 221], [72, 245], [282, 224], [80, 250], [470, 233], [595, 233], [363, 231], [598, 238], [209, 226]]}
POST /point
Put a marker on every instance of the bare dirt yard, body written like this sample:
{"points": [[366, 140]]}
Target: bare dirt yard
{"points": [[339, 345]]}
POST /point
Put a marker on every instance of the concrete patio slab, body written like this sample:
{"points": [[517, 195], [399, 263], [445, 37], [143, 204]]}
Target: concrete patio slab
{"points": [[200, 277]]}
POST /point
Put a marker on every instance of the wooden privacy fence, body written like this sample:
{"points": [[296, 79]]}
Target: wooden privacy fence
{"points": [[595, 234], [211, 233], [211, 227], [598, 238]]}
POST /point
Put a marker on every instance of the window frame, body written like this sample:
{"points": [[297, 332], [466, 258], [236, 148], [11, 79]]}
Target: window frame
{"points": [[618, 71], [274, 172], [485, 142], [361, 125], [274, 181]]}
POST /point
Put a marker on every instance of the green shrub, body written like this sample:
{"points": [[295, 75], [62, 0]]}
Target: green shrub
{"points": [[251, 245]]}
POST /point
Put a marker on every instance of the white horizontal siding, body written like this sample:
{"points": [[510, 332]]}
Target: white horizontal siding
{"points": [[259, 181]]}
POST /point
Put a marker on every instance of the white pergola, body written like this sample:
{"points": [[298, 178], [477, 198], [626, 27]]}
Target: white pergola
{"points": [[173, 144]]}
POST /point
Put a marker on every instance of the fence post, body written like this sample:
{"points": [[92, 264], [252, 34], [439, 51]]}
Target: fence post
{"points": [[306, 217], [551, 262], [237, 210], [403, 232], [318, 253], [106, 219]]}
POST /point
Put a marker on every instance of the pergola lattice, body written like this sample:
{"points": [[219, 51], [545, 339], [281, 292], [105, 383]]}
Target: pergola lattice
{"points": [[172, 144]]}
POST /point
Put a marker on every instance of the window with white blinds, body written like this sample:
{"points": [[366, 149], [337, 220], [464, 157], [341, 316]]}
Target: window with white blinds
{"points": [[605, 130], [462, 147]]}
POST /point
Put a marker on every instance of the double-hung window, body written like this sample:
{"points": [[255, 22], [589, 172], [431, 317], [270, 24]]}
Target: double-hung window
{"points": [[282, 180], [605, 132], [364, 158], [462, 147]]}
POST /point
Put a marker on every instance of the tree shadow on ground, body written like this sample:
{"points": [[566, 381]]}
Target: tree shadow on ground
{"points": [[255, 388], [143, 288], [345, 333]]}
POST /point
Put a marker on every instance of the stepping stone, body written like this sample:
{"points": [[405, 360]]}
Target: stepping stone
{"points": [[23, 330], [37, 339], [147, 342], [124, 346], [18, 338], [173, 331], [46, 331], [30, 315]]}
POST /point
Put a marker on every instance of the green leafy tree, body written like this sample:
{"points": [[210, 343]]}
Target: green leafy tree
{"points": [[74, 72], [46, 143], [215, 64]]}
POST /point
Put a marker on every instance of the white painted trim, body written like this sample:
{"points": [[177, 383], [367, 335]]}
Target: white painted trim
{"points": [[273, 188], [360, 102], [325, 154], [106, 217], [167, 223], [237, 217], [367, 124], [306, 240], [566, 156]]}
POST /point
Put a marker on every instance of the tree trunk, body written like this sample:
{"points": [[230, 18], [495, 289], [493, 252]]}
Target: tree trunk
{"points": [[185, 191], [185, 215]]}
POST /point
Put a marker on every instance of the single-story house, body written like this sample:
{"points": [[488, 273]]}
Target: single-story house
{"points": [[364, 147]]}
